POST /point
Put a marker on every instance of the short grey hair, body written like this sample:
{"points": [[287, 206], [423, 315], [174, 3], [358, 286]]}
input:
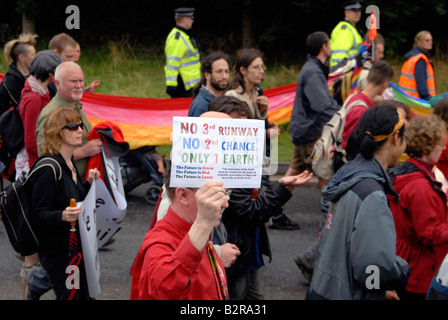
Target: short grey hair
{"points": [[60, 70]]}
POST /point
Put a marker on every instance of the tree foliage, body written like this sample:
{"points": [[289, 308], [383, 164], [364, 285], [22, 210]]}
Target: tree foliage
{"points": [[279, 28]]}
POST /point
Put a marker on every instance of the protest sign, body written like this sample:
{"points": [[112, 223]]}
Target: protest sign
{"points": [[216, 149], [87, 228], [110, 206], [103, 213], [100, 219]]}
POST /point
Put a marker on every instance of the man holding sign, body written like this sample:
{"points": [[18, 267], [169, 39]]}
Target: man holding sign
{"points": [[176, 259]]}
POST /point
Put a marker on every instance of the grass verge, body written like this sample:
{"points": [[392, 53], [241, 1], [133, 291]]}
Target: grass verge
{"points": [[125, 72]]}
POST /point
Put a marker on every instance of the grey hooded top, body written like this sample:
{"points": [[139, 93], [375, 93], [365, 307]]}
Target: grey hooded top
{"points": [[356, 255]]}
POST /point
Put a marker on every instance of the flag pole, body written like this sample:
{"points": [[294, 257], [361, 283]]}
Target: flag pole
{"points": [[373, 31]]}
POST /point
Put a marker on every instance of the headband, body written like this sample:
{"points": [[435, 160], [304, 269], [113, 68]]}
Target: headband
{"points": [[397, 127]]}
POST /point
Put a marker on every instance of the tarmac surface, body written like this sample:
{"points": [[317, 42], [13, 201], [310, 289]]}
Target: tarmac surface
{"points": [[282, 280]]}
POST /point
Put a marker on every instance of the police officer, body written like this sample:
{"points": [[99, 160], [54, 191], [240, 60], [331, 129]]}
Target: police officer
{"points": [[183, 64], [345, 37]]}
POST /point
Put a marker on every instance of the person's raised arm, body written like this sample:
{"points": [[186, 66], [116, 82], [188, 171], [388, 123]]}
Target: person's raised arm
{"points": [[211, 198]]}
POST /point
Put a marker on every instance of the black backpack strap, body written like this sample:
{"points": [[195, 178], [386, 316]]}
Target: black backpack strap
{"points": [[10, 95], [17, 103], [47, 162]]}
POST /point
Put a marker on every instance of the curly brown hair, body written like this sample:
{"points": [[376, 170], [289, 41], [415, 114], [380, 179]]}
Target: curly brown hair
{"points": [[53, 125], [423, 134]]}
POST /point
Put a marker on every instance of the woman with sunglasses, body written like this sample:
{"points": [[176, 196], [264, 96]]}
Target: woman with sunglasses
{"points": [[356, 254], [52, 215]]}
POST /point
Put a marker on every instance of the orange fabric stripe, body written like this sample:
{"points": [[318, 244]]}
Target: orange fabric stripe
{"points": [[407, 81], [141, 135]]}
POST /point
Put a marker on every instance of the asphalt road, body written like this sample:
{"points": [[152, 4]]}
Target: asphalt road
{"points": [[282, 280]]}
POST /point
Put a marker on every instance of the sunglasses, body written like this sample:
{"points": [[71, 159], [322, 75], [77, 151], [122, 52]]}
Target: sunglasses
{"points": [[74, 126]]}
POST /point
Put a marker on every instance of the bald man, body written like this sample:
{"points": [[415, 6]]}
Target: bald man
{"points": [[69, 81], [228, 252]]}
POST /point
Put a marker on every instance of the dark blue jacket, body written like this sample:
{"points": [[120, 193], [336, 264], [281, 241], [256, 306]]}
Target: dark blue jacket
{"points": [[200, 103], [245, 218], [313, 104]]}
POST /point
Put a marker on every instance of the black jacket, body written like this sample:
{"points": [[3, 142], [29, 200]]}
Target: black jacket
{"points": [[48, 200], [250, 209], [11, 88]]}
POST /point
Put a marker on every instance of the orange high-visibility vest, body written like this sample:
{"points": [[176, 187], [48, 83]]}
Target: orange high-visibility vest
{"points": [[407, 79]]}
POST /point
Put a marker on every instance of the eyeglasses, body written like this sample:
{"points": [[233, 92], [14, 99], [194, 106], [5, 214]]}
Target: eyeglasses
{"points": [[259, 67], [74, 126]]}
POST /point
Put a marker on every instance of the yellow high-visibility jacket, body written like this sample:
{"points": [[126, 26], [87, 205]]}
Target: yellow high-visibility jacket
{"points": [[344, 42], [182, 56]]}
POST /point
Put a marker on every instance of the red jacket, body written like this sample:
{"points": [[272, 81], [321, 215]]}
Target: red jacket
{"points": [[30, 106], [169, 267], [113, 142], [420, 217]]}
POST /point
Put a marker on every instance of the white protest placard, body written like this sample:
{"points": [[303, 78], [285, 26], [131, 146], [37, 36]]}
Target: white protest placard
{"points": [[109, 215], [87, 228], [216, 149], [100, 219], [110, 211], [102, 216]]}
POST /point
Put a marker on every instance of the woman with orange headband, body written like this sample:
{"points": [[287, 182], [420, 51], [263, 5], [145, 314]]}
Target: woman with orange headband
{"points": [[356, 255], [420, 214]]}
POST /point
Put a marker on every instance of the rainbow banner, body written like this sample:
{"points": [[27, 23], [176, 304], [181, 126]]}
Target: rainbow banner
{"points": [[418, 106], [143, 121], [148, 121], [358, 68]]}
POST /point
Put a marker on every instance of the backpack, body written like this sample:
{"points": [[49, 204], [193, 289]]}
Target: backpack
{"points": [[330, 141], [12, 139], [15, 209], [340, 88]]}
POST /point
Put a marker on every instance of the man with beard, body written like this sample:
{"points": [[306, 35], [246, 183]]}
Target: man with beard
{"points": [[215, 79], [69, 81]]}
